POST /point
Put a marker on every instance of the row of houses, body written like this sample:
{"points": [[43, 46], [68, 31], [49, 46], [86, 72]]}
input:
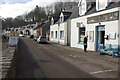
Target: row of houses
{"points": [[98, 19], [38, 29], [11, 31]]}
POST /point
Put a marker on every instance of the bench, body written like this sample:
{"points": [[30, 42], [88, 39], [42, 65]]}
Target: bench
{"points": [[110, 49]]}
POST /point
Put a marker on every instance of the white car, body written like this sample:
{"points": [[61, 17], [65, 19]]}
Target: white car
{"points": [[42, 39], [21, 35]]}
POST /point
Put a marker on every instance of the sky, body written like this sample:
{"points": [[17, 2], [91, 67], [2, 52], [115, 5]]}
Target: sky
{"points": [[13, 8]]}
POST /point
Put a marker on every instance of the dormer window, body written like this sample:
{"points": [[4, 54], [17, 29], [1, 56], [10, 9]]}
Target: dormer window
{"points": [[102, 4], [82, 7], [61, 17], [52, 21]]}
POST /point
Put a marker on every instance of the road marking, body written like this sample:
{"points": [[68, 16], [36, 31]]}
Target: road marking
{"points": [[72, 56], [97, 72]]}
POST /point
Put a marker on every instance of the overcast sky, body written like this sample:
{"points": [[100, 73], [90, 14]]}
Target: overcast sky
{"points": [[13, 8]]}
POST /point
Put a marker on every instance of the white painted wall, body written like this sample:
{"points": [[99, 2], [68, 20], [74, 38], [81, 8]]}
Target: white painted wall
{"points": [[35, 32], [54, 28], [61, 27]]}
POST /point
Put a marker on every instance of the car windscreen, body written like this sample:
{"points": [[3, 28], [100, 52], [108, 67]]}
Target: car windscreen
{"points": [[43, 37]]}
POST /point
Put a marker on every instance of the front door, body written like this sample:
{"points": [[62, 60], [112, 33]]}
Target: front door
{"points": [[100, 36]]}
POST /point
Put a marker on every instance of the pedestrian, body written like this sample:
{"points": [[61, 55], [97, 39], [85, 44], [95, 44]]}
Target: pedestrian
{"points": [[85, 43]]}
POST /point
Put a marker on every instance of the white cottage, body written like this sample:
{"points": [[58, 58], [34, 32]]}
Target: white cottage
{"points": [[97, 20], [60, 31]]}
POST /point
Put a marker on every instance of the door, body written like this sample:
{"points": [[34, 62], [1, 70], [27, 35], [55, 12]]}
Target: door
{"points": [[100, 37]]}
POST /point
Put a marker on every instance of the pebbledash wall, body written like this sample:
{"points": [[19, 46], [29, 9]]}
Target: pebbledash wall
{"points": [[59, 27], [111, 29]]}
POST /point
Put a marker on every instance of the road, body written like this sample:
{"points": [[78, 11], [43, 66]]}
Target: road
{"points": [[34, 61], [56, 61]]}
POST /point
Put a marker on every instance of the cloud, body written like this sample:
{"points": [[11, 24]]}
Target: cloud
{"points": [[17, 7]]}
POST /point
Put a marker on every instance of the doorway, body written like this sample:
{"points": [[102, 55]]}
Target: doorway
{"points": [[100, 37]]}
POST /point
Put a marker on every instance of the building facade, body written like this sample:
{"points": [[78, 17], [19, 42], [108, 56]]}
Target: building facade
{"points": [[60, 31], [100, 23]]}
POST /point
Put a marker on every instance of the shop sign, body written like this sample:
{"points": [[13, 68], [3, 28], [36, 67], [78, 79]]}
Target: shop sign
{"points": [[79, 24], [112, 35], [103, 18], [13, 41], [101, 28]]}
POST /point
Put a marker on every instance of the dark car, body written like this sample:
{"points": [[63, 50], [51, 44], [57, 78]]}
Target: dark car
{"points": [[31, 36], [42, 39], [36, 37]]}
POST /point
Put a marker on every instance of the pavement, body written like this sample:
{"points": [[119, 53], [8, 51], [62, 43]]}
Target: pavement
{"points": [[6, 57], [64, 62]]}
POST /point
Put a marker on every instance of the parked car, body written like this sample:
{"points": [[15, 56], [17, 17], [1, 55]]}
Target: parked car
{"points": [[36, 37], [31, 36], [42, 39], [21, 35]]}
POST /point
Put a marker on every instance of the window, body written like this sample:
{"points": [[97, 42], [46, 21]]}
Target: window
{"points": [[61, 19], [55, 34], [82, 8], [51, 34], [81, 34], [91, 36], [61, 34]]}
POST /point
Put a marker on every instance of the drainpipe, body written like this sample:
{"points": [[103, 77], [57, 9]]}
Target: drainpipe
{"points": [[58, 32]]}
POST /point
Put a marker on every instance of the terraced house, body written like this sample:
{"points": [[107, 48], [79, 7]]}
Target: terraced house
{"points": [[60, 27], [99, 20]]}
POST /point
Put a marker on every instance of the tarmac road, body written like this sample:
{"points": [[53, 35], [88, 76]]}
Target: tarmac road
{"points": [[35, 61]]}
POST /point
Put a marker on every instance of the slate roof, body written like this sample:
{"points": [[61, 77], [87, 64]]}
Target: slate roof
{"points": [[113, 4], [56, 18], [46, 27], [92, 9], [41, 24], [69, 14]]}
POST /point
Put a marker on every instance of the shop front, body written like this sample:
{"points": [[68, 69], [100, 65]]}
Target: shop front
{"points": [[100, 36], [101, 27]]}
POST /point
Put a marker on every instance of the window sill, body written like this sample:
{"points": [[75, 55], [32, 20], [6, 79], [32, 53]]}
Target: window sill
{"points": [[81, 43], [61, 39]]}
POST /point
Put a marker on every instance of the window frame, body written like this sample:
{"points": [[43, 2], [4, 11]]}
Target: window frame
{"points": [[56, 32], [62, 35], [52, 34], [80, 29]]}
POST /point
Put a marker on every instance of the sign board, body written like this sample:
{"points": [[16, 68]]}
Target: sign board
{"points": [[104, 17], [91, 36], [112, 35], [80, 24], [13, 41]]}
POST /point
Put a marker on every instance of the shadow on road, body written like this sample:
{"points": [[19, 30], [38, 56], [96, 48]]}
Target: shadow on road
{"points": [[26, 64]]}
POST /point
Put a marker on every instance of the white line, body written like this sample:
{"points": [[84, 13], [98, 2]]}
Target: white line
{"points": [[72, 56], [103, 71]]}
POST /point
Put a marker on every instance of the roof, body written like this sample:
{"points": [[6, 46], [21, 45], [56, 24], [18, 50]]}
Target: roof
{"points": [[69, 14], [113, 4], [56, 18], [92, 9], [46, 27], [66, 13], [41, 24]]}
